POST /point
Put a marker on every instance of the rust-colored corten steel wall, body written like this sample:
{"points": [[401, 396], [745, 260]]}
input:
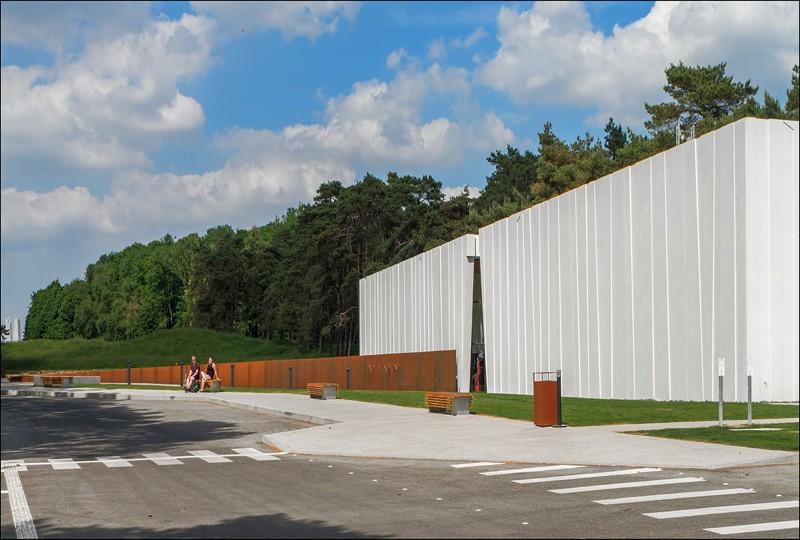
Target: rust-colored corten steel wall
{"points": [[434, 370]]}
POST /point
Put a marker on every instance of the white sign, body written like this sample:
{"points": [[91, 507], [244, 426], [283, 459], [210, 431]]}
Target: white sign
{"points": [[721, 367]]}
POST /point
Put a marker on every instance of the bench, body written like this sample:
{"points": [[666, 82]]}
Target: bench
{"points": [[53, 380], [214, 385], [15, 378], [454, 403], [322, 390]]}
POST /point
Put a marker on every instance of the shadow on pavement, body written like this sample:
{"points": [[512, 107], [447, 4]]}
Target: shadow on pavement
{"points": [[266, 526], [86, 428]]}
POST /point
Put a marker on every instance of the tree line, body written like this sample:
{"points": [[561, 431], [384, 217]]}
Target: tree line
{"points": [[296, 279]]}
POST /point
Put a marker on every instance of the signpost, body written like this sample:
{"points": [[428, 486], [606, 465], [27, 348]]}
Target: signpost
{"points": [[721, 376]]}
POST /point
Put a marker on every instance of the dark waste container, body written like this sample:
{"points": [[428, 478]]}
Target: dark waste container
{"points": [[545, 398]]}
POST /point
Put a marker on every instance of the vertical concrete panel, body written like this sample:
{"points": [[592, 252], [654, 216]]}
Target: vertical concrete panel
{"points": [[593, 313], [691, 375], [570, 376], [740, 260], [580, 290], [661, 329], [622, 323], [704, 185], [604, 297], [676, 267], [724, 291], [642, 279]]}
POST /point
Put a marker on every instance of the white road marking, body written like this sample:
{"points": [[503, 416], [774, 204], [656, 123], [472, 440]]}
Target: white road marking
{"points": [[255, 454], [62, 464], [757, 527], [625, 485], [476, 464], [585, 475], [689, 512], [20, 513], [209, 457], [3, 492], [162, 458], [532, 469], [670, 496], [18, 464], [113, 462]]}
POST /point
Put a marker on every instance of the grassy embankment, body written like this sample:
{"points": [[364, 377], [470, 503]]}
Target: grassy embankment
{"points": [[576, 412], [779, 437], [160, 348]]}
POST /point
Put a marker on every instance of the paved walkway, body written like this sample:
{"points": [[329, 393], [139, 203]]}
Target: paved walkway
{"points": [[352, 428]]}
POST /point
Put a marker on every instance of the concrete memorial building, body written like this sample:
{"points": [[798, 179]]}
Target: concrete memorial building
{"points": [[634, 285]]}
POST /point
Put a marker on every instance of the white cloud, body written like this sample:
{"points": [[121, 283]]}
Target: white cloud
{"points": [[551, 53], [437, 50], [464, 43], [292, 19], [101, 110], [395, 58], [454, 191]]}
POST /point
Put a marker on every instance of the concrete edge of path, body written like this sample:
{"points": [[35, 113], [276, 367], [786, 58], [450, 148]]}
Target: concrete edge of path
{"points": [[116, 396]]}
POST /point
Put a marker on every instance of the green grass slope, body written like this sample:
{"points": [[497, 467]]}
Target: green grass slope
{"points": [[160, 348]]}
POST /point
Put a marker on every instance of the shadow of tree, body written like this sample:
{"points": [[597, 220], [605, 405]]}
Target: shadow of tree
{"points": [[266, 526], [86, 428]]}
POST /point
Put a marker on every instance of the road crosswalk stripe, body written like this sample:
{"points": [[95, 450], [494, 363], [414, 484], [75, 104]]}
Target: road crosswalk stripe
{"points": [[210, 457], [18, 464], [113, 462], [532, 469], [757, 527], [626, 485], [679, 495], [162, 458], [690, 512], [62, 464], [255, 454], [476, 464], [585, 475]]}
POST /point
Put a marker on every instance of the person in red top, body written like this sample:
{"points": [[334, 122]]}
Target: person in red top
{"points": [[194, 373]]}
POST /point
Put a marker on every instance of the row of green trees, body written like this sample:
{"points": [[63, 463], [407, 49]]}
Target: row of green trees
{"points": [[296, 278]]}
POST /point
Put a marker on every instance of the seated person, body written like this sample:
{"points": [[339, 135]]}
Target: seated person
{"points": [[194, 373], [210, 374]]}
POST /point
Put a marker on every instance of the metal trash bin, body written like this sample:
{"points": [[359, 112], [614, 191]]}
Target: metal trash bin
{"points": [[545, 398]]}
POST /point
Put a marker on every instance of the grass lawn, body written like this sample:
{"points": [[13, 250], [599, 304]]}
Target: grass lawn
{"points": [[576, 411], [786, 438], [160, 348]]}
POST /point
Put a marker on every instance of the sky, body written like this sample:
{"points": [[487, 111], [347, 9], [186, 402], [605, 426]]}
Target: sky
{"points": [[123, 122]]}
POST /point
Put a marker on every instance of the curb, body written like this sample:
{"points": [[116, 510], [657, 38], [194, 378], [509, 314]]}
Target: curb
{"points": [[113, 396]]}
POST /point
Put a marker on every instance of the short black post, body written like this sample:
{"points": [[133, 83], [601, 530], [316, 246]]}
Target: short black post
{"points": [[291, 385], [129, 372], [233, 375], [558, 397], [348, 378]]}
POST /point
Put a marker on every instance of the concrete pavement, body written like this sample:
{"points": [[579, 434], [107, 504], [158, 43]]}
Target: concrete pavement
{"points": [[358, 429]]}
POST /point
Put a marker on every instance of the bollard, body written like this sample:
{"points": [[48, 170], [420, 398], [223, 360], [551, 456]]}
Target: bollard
{"points": [[291, 385], [348, 378], [721, 375], [129, 372], [558, 397], [233, 375], [749, 394]]}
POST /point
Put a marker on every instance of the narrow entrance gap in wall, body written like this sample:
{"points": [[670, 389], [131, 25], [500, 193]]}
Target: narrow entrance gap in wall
{"points": [[477, 368]]}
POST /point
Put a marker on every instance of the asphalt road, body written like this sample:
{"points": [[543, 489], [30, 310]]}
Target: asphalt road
{"points": [[311, 496]]}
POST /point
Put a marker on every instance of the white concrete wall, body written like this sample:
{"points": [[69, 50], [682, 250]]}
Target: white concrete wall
{"points": [[421, 304], [634, 284]]}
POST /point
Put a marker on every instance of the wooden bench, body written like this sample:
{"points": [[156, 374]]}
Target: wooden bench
{"points": [[322, 390], [454, 403], [52, 380]]}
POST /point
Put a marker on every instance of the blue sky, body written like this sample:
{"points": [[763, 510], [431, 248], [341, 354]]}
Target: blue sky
{"points": [[127, 121]]}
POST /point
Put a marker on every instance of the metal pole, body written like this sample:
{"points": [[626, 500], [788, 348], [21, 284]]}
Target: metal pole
{"points": [[749, 394], [721, 375], [129, 372], [290, 378], [348, 378], [558, 397]]}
